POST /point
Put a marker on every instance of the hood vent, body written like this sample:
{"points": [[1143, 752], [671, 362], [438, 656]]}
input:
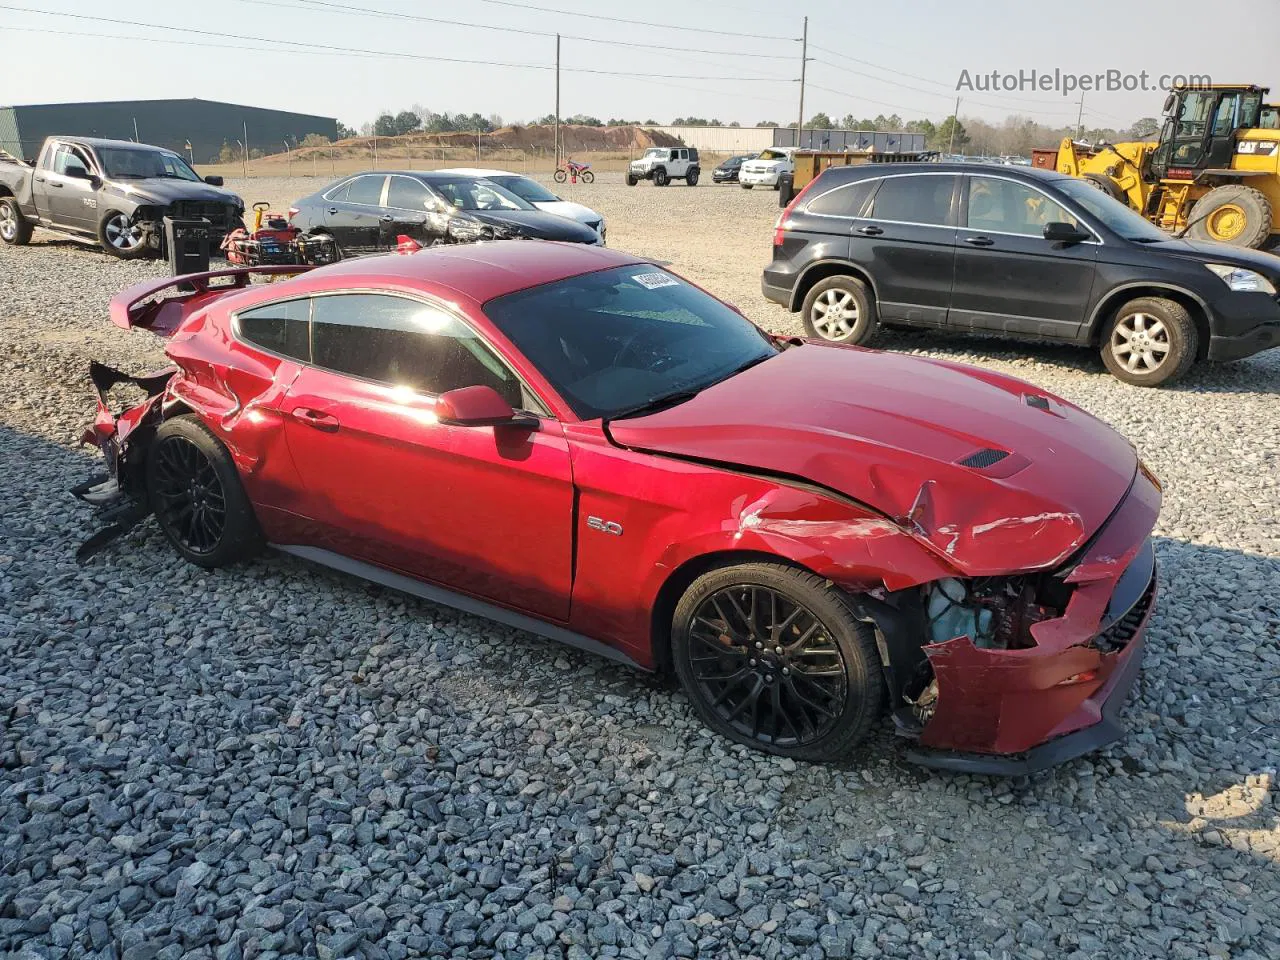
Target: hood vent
{"points": [[1040, 403], [981, 459]]}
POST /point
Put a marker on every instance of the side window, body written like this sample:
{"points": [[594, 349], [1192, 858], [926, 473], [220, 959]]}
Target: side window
{"points": [[279, 327], [339, 194], [69, 158], [1007, 207], [406, 193], [843, 201], [924, 199], [1225, 116], [366, 190], [406, 344]]}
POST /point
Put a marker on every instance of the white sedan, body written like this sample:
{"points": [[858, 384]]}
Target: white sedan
{"points": [[535, 193]]}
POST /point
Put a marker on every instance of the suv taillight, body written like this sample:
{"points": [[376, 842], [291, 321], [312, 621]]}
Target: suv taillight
{"points": [[779, 231]]}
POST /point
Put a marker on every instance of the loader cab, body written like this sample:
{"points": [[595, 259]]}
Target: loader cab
{"points": [[1200, 129]]}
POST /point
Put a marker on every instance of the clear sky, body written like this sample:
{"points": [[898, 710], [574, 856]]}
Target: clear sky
{"points": [[870, 56]]}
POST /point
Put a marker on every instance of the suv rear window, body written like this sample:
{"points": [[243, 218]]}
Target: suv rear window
{"points": [[846, 200], [922, 198]]}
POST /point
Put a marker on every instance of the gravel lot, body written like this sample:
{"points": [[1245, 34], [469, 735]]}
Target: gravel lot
{"points": [[277, 761]]}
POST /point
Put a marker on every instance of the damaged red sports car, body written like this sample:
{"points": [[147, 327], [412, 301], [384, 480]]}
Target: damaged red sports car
{"points": [[585, 445]]}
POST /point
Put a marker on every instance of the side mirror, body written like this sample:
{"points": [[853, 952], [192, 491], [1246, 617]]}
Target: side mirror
{"points": [[478, 406], [1059, 232], [1168, 104], [214, 181]]}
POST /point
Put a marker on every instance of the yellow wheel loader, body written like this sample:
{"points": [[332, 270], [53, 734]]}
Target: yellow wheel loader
{"points": [[1213, 174]]}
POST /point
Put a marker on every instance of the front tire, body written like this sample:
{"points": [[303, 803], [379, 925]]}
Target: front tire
{"points": [[197, 497], [559, 176], [121, 237], [745, 186], [840, 309], [772, 657], [660, 178], [15, 229], [631, 181], [1150, 342]]}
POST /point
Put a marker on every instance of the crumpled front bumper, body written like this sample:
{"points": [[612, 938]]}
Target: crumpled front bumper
{"points": [[1018, 711]]}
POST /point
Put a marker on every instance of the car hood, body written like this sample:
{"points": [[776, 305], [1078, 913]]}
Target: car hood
{"points": [[567, 208], [1209, 251], [537, 225], [166, 190], [905, 436]]}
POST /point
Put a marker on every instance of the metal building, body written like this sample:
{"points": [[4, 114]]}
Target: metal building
{"points": [[197, 129], [882, 141]]}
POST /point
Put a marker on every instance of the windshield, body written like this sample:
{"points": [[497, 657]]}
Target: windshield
{"points": [[478, 195], [613, 341], [772, 155], [1114, 215], [128, 163], [526, 189], [658, 152]]}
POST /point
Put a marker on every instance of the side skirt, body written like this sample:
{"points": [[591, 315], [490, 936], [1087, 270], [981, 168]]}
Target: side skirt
{"points": [[458, 601]]}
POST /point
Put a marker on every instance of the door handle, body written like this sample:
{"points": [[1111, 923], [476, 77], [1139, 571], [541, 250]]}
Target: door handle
{"points": [[316, 418], [387, 219], [39, 179], [979, 241], [55, 184], [333, 210], [870, 231]]}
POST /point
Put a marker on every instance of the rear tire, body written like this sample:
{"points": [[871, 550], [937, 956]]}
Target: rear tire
{"points": [[840, 309], [586, 176], [1234, 214], [1150, 342], [691, 178], [15, 229], [810, 683], [196, 495]]}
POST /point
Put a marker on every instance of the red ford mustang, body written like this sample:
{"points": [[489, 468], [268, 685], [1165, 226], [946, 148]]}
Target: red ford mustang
{"points": [[587, 446]]}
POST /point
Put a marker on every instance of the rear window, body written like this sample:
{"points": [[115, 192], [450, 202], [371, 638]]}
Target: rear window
{"points": [[281, 328], [847, 200], [924, 199]]}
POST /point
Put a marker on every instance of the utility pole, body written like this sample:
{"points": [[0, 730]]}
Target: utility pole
{"points": [[556, 160], [1080, 118], [804, 61], [955, 122], [477, 144]]}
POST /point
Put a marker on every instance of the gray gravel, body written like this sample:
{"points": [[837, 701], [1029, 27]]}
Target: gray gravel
{"points": [[276, 761]]}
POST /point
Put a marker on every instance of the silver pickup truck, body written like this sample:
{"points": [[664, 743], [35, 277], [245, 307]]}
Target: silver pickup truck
{"points": [[111, 192]]}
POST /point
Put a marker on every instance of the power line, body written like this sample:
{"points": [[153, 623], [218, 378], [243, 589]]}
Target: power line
{"points": [[345, 8], [634, 23], [322, 47]]}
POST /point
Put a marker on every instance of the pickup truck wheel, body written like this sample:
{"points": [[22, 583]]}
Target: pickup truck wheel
{"points": [[197, 497], [121, 237], [840, 309], [14, 228], [773, 657]]}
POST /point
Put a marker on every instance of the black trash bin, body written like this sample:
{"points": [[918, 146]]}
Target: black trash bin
{"points": [[186, 244], [786, 189]]}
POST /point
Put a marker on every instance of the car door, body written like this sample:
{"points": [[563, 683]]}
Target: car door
{"points": [[412, 211], [72, 196], [485, 511], [1008, 277], [354, 213], [830, 221], [907, 241]]}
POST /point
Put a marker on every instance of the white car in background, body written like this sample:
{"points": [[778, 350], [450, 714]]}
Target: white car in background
{"points": [[532, 191], [765, 169]]}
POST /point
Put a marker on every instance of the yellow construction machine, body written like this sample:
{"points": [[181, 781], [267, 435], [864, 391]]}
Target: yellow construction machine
{"points": [[1214, 173]]}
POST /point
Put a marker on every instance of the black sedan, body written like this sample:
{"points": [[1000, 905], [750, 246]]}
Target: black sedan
{"points": [[728, 171], [367, 212]]}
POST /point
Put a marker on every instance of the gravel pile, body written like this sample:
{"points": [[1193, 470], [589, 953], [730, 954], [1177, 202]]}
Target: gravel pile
{"points": [[276, 761]]}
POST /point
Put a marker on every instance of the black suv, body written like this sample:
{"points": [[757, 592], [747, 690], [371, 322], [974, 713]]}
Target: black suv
{"points": [[1020, 252]]}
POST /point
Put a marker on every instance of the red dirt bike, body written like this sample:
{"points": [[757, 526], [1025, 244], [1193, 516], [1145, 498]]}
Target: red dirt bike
{"points": [[578, 171]]}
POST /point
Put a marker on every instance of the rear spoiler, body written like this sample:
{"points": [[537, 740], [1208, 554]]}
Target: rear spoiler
{"points": [[194, 290]]}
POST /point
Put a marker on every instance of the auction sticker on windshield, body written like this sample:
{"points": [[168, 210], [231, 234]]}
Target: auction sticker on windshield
{"points": [[652, 281]]}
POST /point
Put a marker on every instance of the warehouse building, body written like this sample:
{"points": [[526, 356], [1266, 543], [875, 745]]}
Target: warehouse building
{"points": [[197, 129]]}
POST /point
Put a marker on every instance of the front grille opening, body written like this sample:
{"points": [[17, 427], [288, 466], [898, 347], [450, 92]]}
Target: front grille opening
{"points": [[1117, 636], [982, 459]]}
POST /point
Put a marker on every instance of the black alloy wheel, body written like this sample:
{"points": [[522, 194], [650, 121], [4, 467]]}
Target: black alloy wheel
{"points": [[767, 666], [190, 501]]}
